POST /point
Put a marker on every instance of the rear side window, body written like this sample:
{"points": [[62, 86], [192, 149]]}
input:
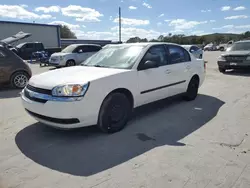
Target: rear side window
{"points": [[178, 54], [194, 48], [29, 45], [91, 48]]}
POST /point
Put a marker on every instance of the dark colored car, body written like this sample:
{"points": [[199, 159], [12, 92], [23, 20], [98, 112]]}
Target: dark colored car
{"points": [[25, 50], [13, 69], [236, 57]]}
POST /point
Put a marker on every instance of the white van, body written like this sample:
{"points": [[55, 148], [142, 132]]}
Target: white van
{"points": [[73, 55]]}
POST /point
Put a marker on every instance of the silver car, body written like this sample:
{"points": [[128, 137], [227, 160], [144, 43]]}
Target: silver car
{"points": [[195, 50]]}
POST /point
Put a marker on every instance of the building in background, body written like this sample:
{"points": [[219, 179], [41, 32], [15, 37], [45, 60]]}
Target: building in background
{"points": [[49, 35]]}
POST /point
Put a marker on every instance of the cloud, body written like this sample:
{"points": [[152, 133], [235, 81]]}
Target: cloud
{"points": [[161, 15], [240, 8], [236, 17], [82, 14], [18, 12], [129, 32], [212, 21], [132, 8], [24, 5], [225, 8], [232, 27], [159, 24], [206, 10], [132, 22], [70, 26], [146, 5], [182, 24], [167, 20], [48, 9]]}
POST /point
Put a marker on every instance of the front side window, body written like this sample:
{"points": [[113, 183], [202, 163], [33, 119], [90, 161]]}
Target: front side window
{"points": [[178, 54], [156, 53], [241, 46], [115, 56]]}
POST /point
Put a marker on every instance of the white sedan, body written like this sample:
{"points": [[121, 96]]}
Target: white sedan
{"points": [[106, 88]]}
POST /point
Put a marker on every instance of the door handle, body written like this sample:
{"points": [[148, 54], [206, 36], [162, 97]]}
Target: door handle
{"points": [[167, 71]]}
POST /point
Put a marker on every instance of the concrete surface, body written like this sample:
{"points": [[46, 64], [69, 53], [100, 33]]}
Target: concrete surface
{"points": [[175, 144]]}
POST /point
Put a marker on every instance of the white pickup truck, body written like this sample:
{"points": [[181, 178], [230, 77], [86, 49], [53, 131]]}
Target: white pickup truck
{"points": [[223, 47]]}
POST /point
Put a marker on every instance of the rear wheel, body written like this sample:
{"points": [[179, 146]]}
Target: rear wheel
{"points": [[192, 90], [115, 112], [70, 63], [19, 80], [222, 70]]}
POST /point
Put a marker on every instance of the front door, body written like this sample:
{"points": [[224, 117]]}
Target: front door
{"points": [[153, 82]]}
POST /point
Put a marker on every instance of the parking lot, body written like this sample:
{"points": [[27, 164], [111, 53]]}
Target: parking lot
{"points": [[204, 143]]}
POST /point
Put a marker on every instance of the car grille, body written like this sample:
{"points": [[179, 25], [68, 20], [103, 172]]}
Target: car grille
{"points": [[37, 90], [235, 58]]}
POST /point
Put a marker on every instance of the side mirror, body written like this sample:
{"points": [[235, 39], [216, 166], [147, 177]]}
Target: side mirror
{"points": [[150, 64], [192, 51]]}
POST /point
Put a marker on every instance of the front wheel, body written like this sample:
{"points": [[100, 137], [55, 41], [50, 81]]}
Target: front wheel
{"points": [[192, 90], [70, 63], [115, 112], [222, 70], [19, 80]]}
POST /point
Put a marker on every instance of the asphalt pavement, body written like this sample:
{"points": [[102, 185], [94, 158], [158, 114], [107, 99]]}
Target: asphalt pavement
{"points": [[173, 143]]}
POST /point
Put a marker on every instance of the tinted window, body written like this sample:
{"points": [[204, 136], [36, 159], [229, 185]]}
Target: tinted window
{"points": [[178, 54], [156, 53], [93, 48], [29, 45], [39, 46], [240, 46], [194, 48]]}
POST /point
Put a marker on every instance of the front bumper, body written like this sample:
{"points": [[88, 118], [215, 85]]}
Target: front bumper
{"points": [[234, 65], [57, 62], [60, 114]]}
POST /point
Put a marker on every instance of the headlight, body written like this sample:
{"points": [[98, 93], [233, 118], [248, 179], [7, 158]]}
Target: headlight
{"points": [[221, 58], [248, 58], [71, 90], [61, 57]]}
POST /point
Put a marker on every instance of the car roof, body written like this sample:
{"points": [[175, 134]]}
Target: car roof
{"points": [[242, 41], [142, 44], [76, 45]]}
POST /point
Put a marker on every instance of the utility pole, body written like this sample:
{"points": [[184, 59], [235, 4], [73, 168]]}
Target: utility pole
{"points": [[120, 25]]}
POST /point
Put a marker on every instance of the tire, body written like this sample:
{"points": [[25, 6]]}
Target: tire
{"points": [[19, 80], [200, 57], [192, 90], [222, 70], [114, 113], [70, 63], [222, 49]]}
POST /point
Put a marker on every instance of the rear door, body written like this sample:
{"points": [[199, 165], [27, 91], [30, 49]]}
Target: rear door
{"points": [[179, 68]]}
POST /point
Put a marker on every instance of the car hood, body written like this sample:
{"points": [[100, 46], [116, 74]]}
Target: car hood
{"points": [[236, 53], [71, 75]]}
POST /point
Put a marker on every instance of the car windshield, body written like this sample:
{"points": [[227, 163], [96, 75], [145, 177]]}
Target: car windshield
{"points": [[69, 49], [20, 45], [115, 56], [240, 46]]}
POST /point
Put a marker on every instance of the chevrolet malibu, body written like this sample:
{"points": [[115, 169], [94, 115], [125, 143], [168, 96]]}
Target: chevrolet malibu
{"points": [[105, 88]]}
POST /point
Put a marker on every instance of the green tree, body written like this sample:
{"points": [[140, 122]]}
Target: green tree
{"points": [[65, 32]]}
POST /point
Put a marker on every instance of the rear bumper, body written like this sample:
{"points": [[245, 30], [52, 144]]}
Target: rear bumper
{"points": [[230, 65]]}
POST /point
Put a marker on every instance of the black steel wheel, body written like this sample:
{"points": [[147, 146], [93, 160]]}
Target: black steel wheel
{"points": [[192, 90], [114, 113]]}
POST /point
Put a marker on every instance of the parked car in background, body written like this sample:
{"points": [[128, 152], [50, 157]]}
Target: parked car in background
{"points": [[106, 88], [25, 50], [236, 57], [73, 54], [223, 47], [13, 69], [195, 50], [210, 47]]}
